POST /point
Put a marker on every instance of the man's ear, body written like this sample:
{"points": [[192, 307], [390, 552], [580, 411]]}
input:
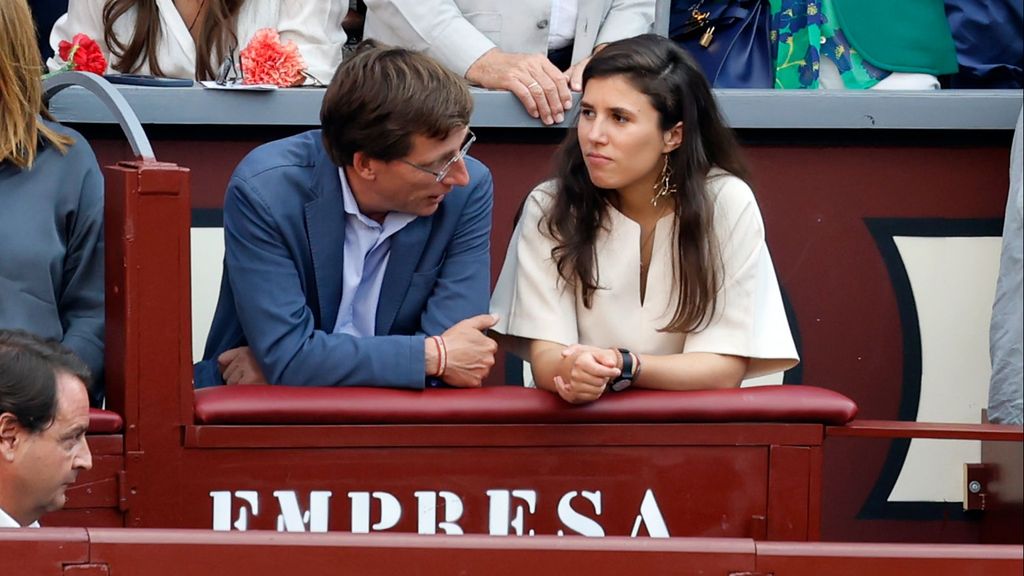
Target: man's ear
{"points": [[673, 138], [364, 166], [10, 436]]}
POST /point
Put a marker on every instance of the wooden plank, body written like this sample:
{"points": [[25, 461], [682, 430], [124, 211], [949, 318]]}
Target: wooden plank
{"points": [[100, 444], [202, 553], [845, 559], [950, 431], [814, 492], [788, 493], [538, 436], [44, 552]]}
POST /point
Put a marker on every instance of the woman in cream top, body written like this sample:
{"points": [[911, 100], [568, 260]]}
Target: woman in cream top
{"points": [[650, 173], [314, 26]]}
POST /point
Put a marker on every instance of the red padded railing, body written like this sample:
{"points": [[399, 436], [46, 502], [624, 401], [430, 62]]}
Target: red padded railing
{"points": [[515, 405], [104, 422]]}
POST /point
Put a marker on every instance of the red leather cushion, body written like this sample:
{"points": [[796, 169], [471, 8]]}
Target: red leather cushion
{"points": [[514, 405], [104, 421]]}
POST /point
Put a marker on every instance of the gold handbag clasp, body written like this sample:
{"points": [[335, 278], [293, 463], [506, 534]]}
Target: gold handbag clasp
{"points": [[701, 19], [707, 37]]}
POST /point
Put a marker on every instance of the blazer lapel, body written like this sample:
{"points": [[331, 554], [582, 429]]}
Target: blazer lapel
{"points": [[325, 226], [406, 247]]}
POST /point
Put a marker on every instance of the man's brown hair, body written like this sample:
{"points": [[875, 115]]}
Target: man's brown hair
{"points": [[381, 97]]}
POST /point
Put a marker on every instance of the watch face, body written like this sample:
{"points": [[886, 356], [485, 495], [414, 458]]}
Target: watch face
{"points": [[620, 385]]}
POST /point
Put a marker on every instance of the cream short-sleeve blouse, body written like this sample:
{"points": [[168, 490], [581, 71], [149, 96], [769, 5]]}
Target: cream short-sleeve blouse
{"points": [[534, 303]]}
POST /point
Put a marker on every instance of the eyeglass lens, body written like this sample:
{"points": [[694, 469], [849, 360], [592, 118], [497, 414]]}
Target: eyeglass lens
{"points": [[470, 138]]}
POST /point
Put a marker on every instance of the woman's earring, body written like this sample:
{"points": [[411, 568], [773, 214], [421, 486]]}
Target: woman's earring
{"points": [[664, 187]]}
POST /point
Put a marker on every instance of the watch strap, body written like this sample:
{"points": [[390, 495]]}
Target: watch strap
{"points": [[626, 375]]}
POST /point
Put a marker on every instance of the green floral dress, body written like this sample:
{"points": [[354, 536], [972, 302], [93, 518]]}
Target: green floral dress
{"points": [[803, 32]]}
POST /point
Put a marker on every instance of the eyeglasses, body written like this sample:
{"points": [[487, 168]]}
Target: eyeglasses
{"points": [[441, 173], [228, 73]]}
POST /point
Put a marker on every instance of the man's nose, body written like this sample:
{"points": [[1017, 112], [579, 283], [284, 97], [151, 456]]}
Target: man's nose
{"points": [[83, 460], [458, 175]]}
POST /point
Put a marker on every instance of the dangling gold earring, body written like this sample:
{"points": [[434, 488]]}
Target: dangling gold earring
{"points": [[664, 187]]}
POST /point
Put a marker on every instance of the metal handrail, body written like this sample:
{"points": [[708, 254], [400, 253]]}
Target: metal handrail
{"points": [[114, 102]]}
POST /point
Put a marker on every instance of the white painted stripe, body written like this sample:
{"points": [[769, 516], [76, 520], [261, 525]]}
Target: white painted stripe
{"points": [[207, 267], [953, 282]]}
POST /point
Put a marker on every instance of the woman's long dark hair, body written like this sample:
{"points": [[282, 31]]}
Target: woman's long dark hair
{"points": [[677, 89], [216, 37]]}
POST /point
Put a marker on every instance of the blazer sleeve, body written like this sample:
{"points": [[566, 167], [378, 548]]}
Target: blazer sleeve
{"points": [[315, 27], [81, 305], [437, 27], [625, 19], [278, 324], [464, 281]]}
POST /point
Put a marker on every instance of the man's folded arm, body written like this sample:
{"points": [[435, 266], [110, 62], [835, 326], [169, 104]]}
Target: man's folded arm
{"points": [[279, 325]]}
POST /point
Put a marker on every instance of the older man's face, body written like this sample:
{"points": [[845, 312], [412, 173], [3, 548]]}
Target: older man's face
{"points": [[48, 461]]}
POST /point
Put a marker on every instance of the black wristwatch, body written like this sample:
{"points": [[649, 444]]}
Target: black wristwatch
{"points": [[625, 379]]}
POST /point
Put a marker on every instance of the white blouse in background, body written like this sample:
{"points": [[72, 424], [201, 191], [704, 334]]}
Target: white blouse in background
{"points": [[314, 26], [532, 301]]}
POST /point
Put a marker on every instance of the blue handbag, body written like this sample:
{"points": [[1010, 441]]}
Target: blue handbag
{"points": [[728, 38]]}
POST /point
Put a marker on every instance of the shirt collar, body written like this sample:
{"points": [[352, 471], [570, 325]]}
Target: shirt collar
{"points": [[393, 221]]}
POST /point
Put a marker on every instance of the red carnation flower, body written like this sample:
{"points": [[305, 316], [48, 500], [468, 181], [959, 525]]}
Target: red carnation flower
{"points": [[267, 60], [83, 54]]}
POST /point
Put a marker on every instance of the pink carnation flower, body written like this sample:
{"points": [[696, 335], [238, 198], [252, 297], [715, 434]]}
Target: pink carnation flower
{"points": [[267, 60]]}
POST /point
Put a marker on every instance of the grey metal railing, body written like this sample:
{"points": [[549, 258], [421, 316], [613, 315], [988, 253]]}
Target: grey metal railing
{"points": [[112, 99]]}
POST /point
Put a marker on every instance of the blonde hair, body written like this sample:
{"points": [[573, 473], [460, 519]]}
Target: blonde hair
{"points": [[21, 101]]}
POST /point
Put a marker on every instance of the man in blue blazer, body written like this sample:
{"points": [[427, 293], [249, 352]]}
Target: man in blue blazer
{"points": [[359, 255]]}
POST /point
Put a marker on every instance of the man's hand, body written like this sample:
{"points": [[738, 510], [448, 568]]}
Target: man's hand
{"points": [[239, 366], [470, 353], [575, 72], [575, 75], [540, 86], [589, 370]]}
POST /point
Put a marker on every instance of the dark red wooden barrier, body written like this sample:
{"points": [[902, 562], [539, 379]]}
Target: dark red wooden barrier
{"points": [[102, 552], [738, 463], [147, 301], [42, 552]]}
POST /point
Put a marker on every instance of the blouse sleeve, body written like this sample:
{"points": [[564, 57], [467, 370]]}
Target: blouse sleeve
{"points": [[82, 17], [315, 27], [439, 28], [750, 319], [530, 298]]}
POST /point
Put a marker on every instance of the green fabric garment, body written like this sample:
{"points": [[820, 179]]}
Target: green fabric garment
{"points": [[899, 35], [805, 31]]}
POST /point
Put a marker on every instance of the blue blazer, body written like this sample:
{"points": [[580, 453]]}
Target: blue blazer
{"points": [[284, 236]]}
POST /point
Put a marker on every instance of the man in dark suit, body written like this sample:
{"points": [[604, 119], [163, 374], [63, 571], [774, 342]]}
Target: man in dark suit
{"points": [[359, 255]]}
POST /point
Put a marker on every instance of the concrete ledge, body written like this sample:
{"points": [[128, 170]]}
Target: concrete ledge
{"points": [[756, 109]]}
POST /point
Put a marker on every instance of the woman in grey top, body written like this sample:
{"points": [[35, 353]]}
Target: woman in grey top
{"points": [[51, 208]]}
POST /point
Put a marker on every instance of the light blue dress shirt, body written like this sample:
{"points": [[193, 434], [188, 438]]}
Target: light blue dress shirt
{"points": [[367, 250]]}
